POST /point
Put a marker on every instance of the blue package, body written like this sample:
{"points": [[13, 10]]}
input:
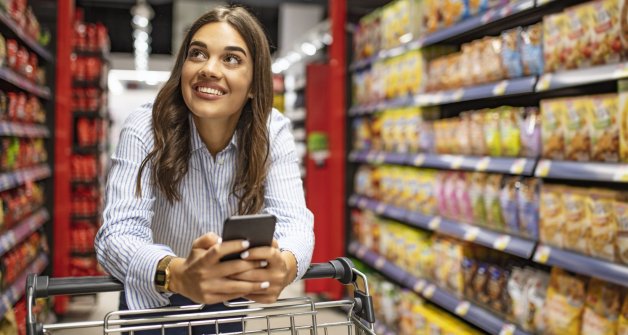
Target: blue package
{"points": [[532, 50], [511, 52]]}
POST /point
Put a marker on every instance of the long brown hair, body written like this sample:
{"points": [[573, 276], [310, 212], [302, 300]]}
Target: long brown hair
{"points": [[171, 152]]}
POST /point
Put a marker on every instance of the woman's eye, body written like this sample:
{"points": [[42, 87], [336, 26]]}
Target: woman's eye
{"points": [[196, 54], [233, 59]]}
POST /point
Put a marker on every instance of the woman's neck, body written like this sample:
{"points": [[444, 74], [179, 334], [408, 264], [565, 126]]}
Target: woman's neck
{"points": [[215, 133]]}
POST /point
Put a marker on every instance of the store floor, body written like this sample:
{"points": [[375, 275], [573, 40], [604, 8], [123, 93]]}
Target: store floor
{"points": [[106, 302]]}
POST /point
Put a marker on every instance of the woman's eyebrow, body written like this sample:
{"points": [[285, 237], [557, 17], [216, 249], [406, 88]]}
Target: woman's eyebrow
{"points": [[235, 48], [199, 44]]}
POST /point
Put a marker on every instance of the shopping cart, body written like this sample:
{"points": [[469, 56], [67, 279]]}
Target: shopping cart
{"points": [[286, 316]]}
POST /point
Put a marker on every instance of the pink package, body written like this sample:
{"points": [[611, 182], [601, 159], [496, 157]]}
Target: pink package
{"points": [[441, 199], [463, 198]]}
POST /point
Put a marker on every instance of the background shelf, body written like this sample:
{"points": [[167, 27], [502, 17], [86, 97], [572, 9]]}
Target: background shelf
{"points": [[588, 171], [17, 31], [9, 180], [21, 82], [22, 230], [15, 292], [23, 129]]}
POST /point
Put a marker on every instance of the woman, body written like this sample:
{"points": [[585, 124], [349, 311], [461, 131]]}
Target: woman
{"points": [[209, 147]]}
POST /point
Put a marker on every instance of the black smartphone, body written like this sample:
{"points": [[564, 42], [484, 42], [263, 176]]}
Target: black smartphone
{"points": [[258, 229]]}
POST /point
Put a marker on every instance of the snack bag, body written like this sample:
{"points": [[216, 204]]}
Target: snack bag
{"points": [[511, 55], [602, 233], [621, 216], [623, 117], [574, 35], [476, 193], [519, 307], [492, 133], [551, 215], [510, 131], [464, 133], [453, 11], [528, 205], [508, 201], [494, 217], [536, 291], [622, 326], [478, 142], [601, 312], [582, 36], [576, 126], [552, 41], [577, 219], [607, 45], [552, 132], [604, 128], [532, 50], [530, 131], [565, 303], [463, 198]]}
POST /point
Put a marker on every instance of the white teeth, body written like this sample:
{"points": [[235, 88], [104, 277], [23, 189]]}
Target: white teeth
{"points": [[209, 90]]}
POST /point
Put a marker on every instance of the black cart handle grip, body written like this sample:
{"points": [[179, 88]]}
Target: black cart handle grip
{"points": [[44, 286]]}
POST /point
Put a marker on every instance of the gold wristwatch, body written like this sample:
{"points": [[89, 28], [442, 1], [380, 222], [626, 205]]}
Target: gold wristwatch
{"points": [[162, 275]]}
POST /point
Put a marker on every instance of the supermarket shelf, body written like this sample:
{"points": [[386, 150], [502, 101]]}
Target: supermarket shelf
{"points": [[465, 310], [83, 254], [87, 182], [88, 150], [23, 130], [598, 74], [590, 171], [20, 81], [12, 237], [506, 165], [507, 243], [575, 262], [32, 43], [11, 295], [10, 180], [479, 21]]}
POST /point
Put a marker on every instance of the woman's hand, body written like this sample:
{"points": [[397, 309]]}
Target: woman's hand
{"points": [[279, 273], [202, 278]]}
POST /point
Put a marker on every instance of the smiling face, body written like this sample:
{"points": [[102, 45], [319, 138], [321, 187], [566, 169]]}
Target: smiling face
{"points": [[217, 73]]}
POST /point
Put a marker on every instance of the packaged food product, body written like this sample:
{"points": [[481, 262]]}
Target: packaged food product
{"points": [[480, 280], [520, 310], [602, 308], [463, 198], [511, 52], [476, 193], [623, 118], [492, 133], [621, 216], [553, 41], [492, 205], [536, 292], [532, 49], [622, 326], [565, 303], [576, 33], [508, 201], [604, 128], [602, 233], [576, 127], [607, 45], [577, 219], [496, 289], [552, 132], [528, 206], [453, 11], [530, 131], [510, 132], [463, 134], [552, 215], [478, 142]]}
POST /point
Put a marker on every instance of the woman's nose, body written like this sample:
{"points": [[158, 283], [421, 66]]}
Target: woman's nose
{"points": [[211, 68]]}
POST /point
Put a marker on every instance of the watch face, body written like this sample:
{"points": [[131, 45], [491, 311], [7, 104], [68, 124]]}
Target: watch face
{"points": [[160, 278]]}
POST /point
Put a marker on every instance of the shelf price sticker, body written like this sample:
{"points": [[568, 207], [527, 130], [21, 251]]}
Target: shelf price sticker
{"points": [[621, 174], [483, 164], [501, 243], [471, 234], [419, 286], [370, 157], [456, 163], [621, 71], [507, 329], [434, 224], [542, 254], [381, 208], [543, 169], [458, 94], [429, 291], [500, 89], [463, 308], [361, 251], [544, 82], [518, 166], [380, 262], [380, 158], [419, 160]]}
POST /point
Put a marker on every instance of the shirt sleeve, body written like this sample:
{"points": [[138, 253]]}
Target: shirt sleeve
{"points": [[284, 196], [124, 243]]}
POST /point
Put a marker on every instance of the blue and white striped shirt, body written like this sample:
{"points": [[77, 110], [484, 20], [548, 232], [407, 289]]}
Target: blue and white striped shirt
{"points": [[138, 232]]}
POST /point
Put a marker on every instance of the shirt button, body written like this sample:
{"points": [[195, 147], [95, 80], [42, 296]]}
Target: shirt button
{"points": [[221, 160]]}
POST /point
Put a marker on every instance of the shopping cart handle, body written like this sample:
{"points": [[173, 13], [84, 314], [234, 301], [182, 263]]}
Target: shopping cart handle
{"points": [[44, 286], [340, 268]]}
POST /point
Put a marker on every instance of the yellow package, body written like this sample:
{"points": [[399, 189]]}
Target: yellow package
{"points": [[398, 131], [607, 44], [552, 132], [621, 217], [565, 303], [604, 128], [464, 134], [510, 130], [623, 118], [388, 129], [551, 215], [414, 121], [576, 126], [577, 219], [603, 304], [622, 325], [415, 76], [492, 135], [553, 41], [602, 234]]}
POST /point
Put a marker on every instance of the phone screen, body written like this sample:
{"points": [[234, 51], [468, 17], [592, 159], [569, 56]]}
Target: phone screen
{"points": [[258, 229]]}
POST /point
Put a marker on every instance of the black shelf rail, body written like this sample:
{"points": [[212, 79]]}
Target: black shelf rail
{"points": [[14, 293], [22, 230], [9, 180], [19, 129], [19, 81]]}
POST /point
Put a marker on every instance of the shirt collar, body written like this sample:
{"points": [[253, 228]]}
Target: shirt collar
{"points": [[197, 142]]}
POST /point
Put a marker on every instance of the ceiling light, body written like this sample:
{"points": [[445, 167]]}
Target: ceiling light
{"points": [[308, 48]]}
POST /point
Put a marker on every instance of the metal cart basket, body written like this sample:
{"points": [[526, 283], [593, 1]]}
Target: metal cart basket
{"points": [[286, 316]]}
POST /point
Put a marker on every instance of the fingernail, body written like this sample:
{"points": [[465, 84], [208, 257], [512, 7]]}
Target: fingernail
{"points": [[244, 255], [245, 244], [219, 240], [263, 264], [265, 285]]}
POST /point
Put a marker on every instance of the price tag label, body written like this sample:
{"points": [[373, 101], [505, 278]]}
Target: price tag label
{"points": [[419, 286], [518, 166], [380, 158], [500, 88], [379, 263], [542, 254], [483, 164], [361, 251], [471, 234], [543, 169], [429, 291], [438, 99], [621, 71], [458, 94], [463, 308], [456, 163], [621, 175], [507, 329], [434, 224], [487, 17], [544, 82], [381, 208], [371, 156], [419, 160], [501, 243]]}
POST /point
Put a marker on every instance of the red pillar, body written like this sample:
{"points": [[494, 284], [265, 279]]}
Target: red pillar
{"points": [[63, 146]]}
